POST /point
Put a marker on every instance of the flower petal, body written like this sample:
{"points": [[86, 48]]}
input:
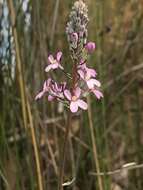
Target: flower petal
{"points": [[77, 92], [51, 98], [82, 104], [45, 86], [92, 72], [39, 95], [54, 65], [51, 58], [81, 73], [67, 94], [92, 82], [59, 55], [61, 67], [48, 68], [73, 107], [97, 93], [96, 82], [48, 81]]}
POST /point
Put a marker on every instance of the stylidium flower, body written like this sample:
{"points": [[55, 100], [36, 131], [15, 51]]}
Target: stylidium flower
{"points": [[57, 91], [84, 68], [75, 100], [46, 87], [90, 47], [86, 76], [54, 63]]}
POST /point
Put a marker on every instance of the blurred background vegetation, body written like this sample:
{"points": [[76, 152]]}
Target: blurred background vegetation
{"points": [[103, 139]]}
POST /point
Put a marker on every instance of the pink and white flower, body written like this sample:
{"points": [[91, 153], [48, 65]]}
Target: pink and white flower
{"points": [[52, 89], [57, 91], [75, 101], [86, 74], [54, 63], [84, 68], [46, 88]]}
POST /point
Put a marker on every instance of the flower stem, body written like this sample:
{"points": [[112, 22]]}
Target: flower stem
{"points": [[62, 162]]}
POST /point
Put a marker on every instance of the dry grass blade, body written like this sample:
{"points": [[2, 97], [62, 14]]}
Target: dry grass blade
{"points": [[131, 167]]}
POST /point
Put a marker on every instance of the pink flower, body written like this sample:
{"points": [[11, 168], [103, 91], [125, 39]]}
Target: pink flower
{"points": [[54, 63], [57, 91], [53, 90], [46, 87], [86, 74], [84, 68], [90, 47], [75, 100], [97, 93]]}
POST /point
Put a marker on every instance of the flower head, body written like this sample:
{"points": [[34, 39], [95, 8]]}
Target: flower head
{"points": [[57, 90], [54, 63], [75, 100], [82, 66], [52, 89], [88, 75]]}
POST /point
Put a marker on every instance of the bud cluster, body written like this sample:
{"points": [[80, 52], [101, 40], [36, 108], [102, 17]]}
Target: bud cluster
{"points": [[77, 24]]}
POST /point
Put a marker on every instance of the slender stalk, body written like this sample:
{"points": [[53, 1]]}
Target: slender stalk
{"points": [[95, 154], [35, 148], [62, 162], [18, 60]]}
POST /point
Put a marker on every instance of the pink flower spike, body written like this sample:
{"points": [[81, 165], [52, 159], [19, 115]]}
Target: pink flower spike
{"points": [[54, 63], [90, 47]]}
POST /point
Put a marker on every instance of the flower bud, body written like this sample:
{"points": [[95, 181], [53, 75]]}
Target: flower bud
{"points": [[90, 47]]}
